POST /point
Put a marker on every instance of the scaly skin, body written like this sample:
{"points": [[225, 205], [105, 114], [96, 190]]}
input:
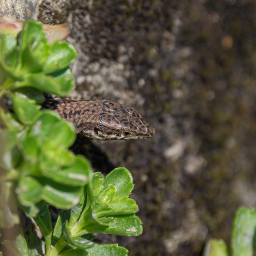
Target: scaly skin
{"points": [[103, 119]]}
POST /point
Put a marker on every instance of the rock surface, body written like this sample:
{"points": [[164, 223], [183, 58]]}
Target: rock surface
{"points": [[189, 68], [20, 9]]}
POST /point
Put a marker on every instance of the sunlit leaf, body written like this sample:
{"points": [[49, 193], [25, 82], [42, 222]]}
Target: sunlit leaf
{"points": [[61, 55], [25, 111], [216, 247], [244, 232], [59, 195], [79, 174], [122, 179], [76, 241], [29, 191]]}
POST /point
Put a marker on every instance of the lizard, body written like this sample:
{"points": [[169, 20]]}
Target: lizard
{"points": [[102, 119]]}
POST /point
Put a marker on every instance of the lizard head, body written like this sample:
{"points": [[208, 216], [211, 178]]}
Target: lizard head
{"points": [[120, 123]]}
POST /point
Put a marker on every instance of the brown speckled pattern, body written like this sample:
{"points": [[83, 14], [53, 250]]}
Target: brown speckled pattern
{"points": [[104, 119]]}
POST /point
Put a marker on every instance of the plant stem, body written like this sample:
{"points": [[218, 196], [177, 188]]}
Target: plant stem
{"points": [[11, 176], [2, 92], [57, 247], [85, 220], [7, 84]]}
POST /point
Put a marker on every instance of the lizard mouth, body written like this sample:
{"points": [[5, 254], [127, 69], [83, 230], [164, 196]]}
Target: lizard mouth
{"points": [[136, 136], [101, 133]]}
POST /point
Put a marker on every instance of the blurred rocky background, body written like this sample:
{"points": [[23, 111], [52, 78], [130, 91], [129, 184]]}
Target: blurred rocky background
{"points": [[189, 68]]}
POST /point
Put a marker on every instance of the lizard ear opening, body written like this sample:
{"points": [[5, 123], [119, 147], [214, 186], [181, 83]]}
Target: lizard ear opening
{"points": [[96, 131]]}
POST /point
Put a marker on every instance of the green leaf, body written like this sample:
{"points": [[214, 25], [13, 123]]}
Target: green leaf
{"points": [[21, 244], [99, 250], [29, 191], [8, 59], [43, 220], [43, 126], [8, 120], [88, 223], [26, 112], [116, 206], [95, 188], [28, 167], [34, 56], [63, 134], [43, 83], [122, 179], [7, 44], [32, 210], [3, 73], [32, 32], [103, 212], [32, 94], [79, 174], [59, 195], [123, 205], [97, 183], [58, 229], [76, 211], [107, 250], [128, 225], [35, 245], [9, 153], [30, 148], [243, 233], [52, 157], [65, 78], [108, 194], [69, 248], [215, 247], [61, 55], [60, 83], [76, 241], [75, 252], [8, 50]]}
